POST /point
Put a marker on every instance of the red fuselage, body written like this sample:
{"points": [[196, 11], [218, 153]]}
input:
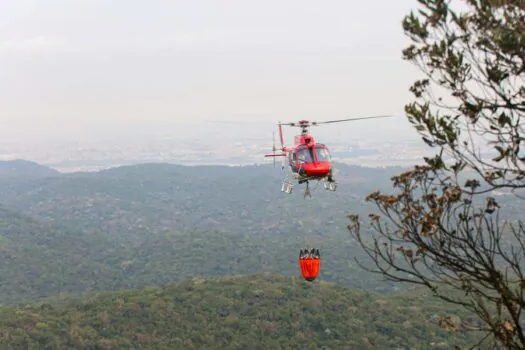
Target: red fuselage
{"points": [[312, 161], [317, 169]]}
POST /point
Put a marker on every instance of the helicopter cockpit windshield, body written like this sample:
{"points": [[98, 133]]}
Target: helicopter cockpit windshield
{"points": [[322, 154], [305, 156]]}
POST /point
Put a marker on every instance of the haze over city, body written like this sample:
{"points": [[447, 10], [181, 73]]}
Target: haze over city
{"points": [[144, 80]]}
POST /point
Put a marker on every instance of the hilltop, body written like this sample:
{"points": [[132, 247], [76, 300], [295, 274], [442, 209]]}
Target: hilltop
{"points": [[25, 168], [262, 311]]}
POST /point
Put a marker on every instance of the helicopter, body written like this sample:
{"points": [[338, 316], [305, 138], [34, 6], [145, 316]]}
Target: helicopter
{"points": [[307, 159]]}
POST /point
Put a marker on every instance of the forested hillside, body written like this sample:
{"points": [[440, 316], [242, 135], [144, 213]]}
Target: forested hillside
{"points": [[148, 198], [24, 168], [260, 311], [149, 224], [64, 237], [38, 259]]}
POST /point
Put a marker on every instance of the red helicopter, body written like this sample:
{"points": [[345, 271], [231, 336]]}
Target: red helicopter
{"points": [[308, 160]]}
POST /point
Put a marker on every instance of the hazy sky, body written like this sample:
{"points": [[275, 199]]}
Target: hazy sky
{"points": [[77, 62]]}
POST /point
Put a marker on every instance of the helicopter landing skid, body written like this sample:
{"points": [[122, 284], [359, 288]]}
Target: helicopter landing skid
{"points": [[330, 186], [287, 187]]}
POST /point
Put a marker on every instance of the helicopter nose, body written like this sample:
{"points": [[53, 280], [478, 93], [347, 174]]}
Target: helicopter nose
{"points": [[320, 168]]}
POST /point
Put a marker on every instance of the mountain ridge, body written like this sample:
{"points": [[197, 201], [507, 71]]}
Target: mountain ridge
{"points": [[26, 168]]}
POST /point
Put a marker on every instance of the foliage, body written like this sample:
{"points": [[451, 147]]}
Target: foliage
{"points": [[135, 226], [138, 200], [436, 230], [138, 226], [260, 311]]}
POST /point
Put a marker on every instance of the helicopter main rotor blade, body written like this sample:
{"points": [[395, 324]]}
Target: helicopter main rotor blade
{"points": [[248, 122], [240, 122], [351, 119]]}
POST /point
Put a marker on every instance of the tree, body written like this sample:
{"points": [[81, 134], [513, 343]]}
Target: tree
{"points": [[441, 227]]}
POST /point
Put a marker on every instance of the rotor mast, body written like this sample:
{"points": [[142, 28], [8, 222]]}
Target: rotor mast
{"points": [[304, 125]]}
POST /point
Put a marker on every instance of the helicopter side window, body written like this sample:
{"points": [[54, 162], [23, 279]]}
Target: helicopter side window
{"points": [[322, 154]]}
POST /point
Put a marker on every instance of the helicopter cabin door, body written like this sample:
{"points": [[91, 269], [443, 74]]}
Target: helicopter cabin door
{"points": [[292, 159]]}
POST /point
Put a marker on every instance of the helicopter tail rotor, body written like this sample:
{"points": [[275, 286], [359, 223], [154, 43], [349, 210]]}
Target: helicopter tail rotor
{"points": [[274, 149]]}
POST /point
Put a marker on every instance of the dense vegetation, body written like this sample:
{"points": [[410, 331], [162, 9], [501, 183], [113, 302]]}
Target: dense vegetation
{"points": [[135, 226], [260, 311], [64, 236]]}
